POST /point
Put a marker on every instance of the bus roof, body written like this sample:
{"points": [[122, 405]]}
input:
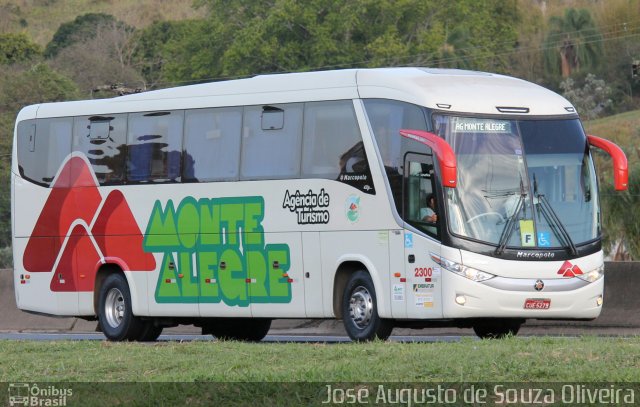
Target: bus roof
{"points": [[442, 89]]}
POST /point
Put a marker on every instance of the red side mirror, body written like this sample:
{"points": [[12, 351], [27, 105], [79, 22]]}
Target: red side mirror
{"points": [[442, 149], [620, 167]]}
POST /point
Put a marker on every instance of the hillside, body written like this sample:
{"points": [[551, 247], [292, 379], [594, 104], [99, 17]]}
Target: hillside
{"points": [[41, 18], [624, 129]]}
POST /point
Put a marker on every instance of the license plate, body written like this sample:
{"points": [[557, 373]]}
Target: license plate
{"points": [[537, 303]]}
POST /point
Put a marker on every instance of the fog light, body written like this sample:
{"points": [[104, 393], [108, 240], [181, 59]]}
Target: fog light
{"points": [[599, 300], [461, 299]]}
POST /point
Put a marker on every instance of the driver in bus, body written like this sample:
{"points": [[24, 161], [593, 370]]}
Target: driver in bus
{"points": [[428, 214]]}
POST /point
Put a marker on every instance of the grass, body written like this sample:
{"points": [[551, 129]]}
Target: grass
{"points": [[624, 129], [232, 373], [589, 359]]}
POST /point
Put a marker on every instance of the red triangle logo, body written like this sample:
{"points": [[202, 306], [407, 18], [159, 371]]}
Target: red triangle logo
{"points": [[74, 195], [569, 270], [76, 270], [118, 235], [576, 270]]}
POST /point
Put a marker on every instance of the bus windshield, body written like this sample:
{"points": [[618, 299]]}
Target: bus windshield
{"points": [[521, 183]]}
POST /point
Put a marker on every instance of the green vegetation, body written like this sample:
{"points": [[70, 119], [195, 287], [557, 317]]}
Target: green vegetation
{"points": [[40, 19], [621, 225], [514, 359], [573, 43], [84, 27], [17, 48]]}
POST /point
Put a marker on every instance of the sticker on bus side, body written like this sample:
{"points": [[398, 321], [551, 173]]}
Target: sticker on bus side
{"points": [[352, 208], [398, 292], [220, 251], [78, 227], [309, 207]]}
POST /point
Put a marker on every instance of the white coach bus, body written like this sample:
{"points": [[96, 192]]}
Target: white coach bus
{"points": [[400, 197]]}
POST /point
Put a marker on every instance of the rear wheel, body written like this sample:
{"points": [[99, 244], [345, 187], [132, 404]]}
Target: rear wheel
{"points": [[497, 328], [115, 314], [360, 310], [240, 329]]}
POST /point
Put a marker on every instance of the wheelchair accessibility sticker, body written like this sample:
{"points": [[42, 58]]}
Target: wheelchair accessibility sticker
{"points": [[408, 240]]}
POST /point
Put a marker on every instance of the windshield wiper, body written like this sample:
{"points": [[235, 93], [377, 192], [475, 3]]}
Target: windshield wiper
{"points": [[509, 227], [556, 225]]}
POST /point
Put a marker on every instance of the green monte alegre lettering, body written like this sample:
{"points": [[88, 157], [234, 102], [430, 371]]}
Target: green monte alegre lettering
{"points": [[214, 251]]}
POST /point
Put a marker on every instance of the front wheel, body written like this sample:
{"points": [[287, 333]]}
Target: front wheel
{"points": [[115, 314], [360, 310], [497, 328]]}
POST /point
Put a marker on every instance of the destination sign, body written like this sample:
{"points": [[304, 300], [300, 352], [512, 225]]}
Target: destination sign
{"points": [[470, 125]]}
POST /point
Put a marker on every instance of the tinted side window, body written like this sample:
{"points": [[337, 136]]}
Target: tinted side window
{"points": [[330, 131], [212, 144], [271, 141], [103, 139], [387, 117], [26, 140], [155, 147], [40, 157]]}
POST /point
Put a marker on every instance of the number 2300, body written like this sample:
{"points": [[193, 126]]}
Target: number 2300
{"points": [[423, 271]]}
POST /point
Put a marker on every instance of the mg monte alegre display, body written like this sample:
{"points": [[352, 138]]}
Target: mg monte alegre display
{"points": [[408, 197]]}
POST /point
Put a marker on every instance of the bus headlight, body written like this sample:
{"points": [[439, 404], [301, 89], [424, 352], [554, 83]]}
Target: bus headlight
{"points": [[593, 275], [464, 271]]}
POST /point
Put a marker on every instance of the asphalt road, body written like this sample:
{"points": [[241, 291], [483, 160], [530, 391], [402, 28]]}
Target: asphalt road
{"points": [[38, 336]]}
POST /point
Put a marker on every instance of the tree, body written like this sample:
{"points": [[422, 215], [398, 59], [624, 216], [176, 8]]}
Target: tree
{"points": [[37, 84], [6, 127], [17, 48], [154, 48], [573, 43], [82, 28], [617, 20], [591, 100], [104, 59], [182, 51], [247, 37]]}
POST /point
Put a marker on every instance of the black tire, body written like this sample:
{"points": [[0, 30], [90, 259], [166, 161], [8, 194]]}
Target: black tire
{"points": [[240, 329], [497, 328], [150, 332], [115, 314], [360, 310]]}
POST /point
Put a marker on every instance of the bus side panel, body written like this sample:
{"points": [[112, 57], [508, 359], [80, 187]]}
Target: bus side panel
{"points": [[42, 282], [371, 248], [172, 287], [33, 290], [398, 293], [313, 280], [279, 290]]}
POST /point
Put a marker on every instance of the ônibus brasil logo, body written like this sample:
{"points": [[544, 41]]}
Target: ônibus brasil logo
{"points": [[569, 270], [25, 394], [78, 230]]}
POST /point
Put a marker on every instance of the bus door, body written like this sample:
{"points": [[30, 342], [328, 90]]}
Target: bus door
{"points": [[421, 237]]}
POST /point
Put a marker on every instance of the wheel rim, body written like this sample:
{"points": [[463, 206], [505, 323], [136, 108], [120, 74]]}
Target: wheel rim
{"points": [[361, 307], [114, 307]]}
